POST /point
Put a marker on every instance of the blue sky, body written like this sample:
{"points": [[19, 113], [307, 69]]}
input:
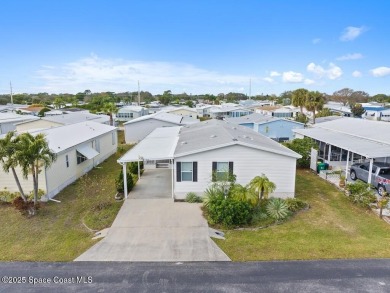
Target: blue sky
{"points": [[195, 47]]}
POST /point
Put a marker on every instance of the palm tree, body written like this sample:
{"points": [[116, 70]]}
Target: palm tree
{"points": [[110, 109], [299, 97], [58, 103], [262, 186], [315, 101], [33, 154], [8, 160]]}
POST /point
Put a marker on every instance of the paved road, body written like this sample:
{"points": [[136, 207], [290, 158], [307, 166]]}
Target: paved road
{"points": [[294, 276], [156, 229]]}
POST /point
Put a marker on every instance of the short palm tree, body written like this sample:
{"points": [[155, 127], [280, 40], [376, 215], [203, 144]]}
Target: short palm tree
{"points": [[110, 109], [262, 186], [32, 154], [8, 159], [243, 193], [315, 101], [299, 97]]}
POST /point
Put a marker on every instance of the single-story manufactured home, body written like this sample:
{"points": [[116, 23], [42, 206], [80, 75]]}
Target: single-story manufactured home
{"points": [[128, 113], [79, 147], [203, 152], [344, 141], [137, 129], [61, 120], [9, 120], [278, 129]]}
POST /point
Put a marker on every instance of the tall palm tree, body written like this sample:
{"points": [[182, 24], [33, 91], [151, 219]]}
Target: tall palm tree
{"points": [[299, 97], [8, 160], [34, 153], [262, 186], [315, 101], [110, 109]]}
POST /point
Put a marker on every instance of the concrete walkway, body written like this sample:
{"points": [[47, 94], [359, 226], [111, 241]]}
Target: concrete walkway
{"points": [[156, 230]]}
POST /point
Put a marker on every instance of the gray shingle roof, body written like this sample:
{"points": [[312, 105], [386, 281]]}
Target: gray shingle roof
{"points": [[213, 134]]}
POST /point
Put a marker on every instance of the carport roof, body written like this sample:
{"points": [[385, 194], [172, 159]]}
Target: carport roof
{"points": [[358, 145], [160, 144]]}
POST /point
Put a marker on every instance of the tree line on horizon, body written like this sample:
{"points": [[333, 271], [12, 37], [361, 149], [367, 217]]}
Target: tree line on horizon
{"points": [[346, 96]]}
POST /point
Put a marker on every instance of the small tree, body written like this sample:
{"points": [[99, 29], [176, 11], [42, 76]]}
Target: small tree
{"points": [[357, 110], [262, 186], [299, 98], [110, 109], [303, 147], [33, 153], [314, 102], [120, 184]]}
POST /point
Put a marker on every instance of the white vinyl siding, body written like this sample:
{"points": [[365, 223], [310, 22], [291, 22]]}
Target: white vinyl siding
{"points": [[248, 163]]}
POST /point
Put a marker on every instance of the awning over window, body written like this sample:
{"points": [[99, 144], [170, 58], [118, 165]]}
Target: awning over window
{"points": [[87, 151]]}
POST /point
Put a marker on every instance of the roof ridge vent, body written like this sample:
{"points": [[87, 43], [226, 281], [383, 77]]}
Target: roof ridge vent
{"points": [[183, 142], [212, 136], [235, 139]]}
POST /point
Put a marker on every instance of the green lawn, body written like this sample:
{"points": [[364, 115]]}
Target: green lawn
{"points": [[58, 232], [332, 228]]}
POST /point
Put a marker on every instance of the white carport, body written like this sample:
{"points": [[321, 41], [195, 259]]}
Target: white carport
{"points": [[160, 144], [347, 145]]}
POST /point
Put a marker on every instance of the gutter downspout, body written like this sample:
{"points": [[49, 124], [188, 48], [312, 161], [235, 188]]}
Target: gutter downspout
{"points": [[124, 166]]}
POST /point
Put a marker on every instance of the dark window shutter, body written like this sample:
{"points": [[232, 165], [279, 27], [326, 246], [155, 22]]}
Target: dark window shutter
{"points": [[178, 171], [230, 167], [214, 172], [195, 171]]}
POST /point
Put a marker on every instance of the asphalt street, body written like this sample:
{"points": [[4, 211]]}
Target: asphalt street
{"points": [[281, 276]]}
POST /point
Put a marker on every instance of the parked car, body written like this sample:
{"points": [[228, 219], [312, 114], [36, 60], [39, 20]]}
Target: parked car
{"points": [[380, 177]]}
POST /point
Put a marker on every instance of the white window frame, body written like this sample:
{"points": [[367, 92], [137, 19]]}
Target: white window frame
{"points": [[222, 174], [187, 172]]}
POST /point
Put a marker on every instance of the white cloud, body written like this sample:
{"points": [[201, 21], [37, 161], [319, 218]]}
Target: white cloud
{"points": [[333, 71], [309, 81], [292, 77], [356, 73], [380, 71], [353, 56], [316, 41], [268, 79], [351, 32], [274, 73], [99, 74]]}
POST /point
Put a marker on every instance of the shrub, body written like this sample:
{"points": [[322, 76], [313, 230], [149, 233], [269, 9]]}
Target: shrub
{"points": [[277, 209], [303, 147], [295, 204], [192, 197], [360, 193], [212, 193], [133, 167], [229, 212], [7, 196], [119, 182]]}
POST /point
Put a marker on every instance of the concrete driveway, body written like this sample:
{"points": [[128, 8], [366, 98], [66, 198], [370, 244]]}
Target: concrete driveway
{"points": [[154, 183], [156, 229]]}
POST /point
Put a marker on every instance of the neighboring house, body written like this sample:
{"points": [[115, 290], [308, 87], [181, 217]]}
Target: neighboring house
{"points": [[183, 111], [203, 110], [79, 147], [32, 110], [128, 113], [11, 107], [344, 141], [278, 129], [53, 113], [228, 110], [196, 152], [60, 120], [327, 118], [137, 129], [279, 111], [339, 108], [8, 121]]}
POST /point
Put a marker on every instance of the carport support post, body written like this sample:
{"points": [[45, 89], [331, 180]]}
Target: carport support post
{"points": [[173, 176], [370, 171], [346, 167], [124, 166], [329, 151]]}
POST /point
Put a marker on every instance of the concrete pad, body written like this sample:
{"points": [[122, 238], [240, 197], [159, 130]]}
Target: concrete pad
{"points": [[154, 183], [157, 230]]}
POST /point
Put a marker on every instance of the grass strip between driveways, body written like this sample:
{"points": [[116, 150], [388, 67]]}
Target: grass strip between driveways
{"points": [[57, 232], [332, 228]]}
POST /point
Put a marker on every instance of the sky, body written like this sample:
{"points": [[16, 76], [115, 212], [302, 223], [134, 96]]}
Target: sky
{"points": [[194, 46]]}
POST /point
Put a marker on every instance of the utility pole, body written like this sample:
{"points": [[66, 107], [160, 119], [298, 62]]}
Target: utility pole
{"points": [[139, 96], [12, 99], [250, 88]]}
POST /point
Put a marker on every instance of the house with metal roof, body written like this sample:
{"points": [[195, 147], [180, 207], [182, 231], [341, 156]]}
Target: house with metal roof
{"points": [[128, 113], [344, 141], [79, 147], [61, 120], [8, 121], [201, 153], [137, 129], [278, 129]]}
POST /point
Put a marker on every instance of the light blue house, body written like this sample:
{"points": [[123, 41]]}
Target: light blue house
{"points": [[278, 129]]}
